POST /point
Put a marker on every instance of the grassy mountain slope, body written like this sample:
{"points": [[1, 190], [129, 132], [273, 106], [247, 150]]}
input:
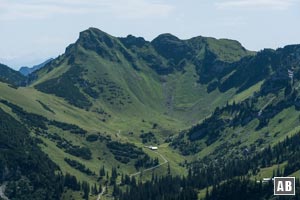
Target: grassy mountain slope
{"points": [[266, 117], [11, 76], [198, 100], [54, 108], [126, 73]]}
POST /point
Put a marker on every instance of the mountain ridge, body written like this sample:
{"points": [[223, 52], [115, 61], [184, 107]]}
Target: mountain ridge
{"points": [[11, 76], [213, 109], [144, 58]]}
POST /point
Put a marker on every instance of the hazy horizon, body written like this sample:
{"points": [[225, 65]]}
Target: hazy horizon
{"points": [[33, 31]]}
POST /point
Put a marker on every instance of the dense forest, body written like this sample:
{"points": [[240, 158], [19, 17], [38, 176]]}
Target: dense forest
{"points": [[27, 172], [229, 177], [21, 166]]}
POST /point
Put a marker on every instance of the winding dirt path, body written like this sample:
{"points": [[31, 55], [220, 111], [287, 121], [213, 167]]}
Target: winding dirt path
{"points": [[138, 173], [151, 168], [102, 192]]}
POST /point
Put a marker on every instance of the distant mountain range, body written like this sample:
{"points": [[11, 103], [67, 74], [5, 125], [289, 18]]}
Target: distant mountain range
{"points": [[28, 70]]}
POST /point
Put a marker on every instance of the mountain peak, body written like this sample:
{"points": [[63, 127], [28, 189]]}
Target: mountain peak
{"points": [[94, 31], [131, 40], [95, 40], [165, 37], [171, 47], [95, 35]]}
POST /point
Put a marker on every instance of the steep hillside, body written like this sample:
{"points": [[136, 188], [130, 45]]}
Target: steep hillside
{"points": [[168, 75], [264, 118], [27, 172], [10, 76]]}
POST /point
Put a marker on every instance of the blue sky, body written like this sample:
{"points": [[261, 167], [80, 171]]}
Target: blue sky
{"points": [[34, 30]]}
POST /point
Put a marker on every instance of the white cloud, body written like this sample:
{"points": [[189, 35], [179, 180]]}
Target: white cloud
{"points": [[130, 9], [256, 4], [11, 10], [137, 8]]}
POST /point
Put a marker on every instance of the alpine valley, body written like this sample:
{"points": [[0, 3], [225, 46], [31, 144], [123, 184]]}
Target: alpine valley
{"points": [[170, 119]]}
